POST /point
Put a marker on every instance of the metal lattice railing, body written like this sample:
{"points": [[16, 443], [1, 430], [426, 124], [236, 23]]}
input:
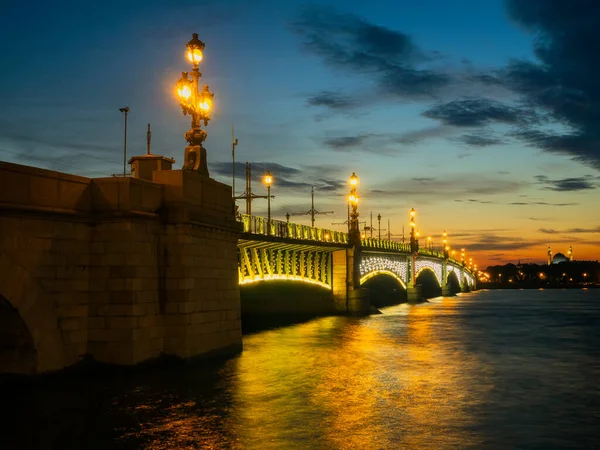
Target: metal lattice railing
{"points": [[279, 228], [385, 245]]}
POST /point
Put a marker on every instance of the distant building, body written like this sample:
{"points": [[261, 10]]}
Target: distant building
{"points": [[560, 257]]}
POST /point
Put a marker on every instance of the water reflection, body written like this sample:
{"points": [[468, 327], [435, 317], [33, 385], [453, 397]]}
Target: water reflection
{"points": [[483, 370]]}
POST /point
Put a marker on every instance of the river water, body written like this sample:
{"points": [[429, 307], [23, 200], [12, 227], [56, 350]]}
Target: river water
{"points": [[490, 369]]}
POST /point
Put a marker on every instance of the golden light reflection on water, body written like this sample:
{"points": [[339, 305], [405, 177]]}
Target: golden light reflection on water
{"points": [[365, 383], [389, 381]]}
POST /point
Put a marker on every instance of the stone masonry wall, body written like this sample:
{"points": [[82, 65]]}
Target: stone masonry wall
{"points": [[120, 269]]}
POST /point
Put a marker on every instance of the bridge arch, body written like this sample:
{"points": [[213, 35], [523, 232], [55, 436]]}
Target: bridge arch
{"points": [[430, 270], [372, 265], [428, 264], [30, 315], [453, 281], [370, 275]]}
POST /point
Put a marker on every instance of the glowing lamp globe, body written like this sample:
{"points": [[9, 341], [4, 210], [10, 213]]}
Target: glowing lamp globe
{"points": [[268, 179], [184, 89], [194, 49]]}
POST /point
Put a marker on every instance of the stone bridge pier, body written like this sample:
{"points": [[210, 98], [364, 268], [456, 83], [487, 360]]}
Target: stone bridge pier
{"points": [[122, 270]]}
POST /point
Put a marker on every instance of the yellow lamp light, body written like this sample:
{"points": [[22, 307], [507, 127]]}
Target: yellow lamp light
{"points": [[268, 179], [184, 89], [353, 180], [412, 213], [206, 102], [194, 50]]}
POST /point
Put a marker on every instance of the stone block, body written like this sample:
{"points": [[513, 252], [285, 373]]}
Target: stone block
{"points": [[146, 296], [122, 323], [96, 322], [122, 272], [67, 311], [72, 323], [149, 321], [75, 336], [105, 335], [115, 284], [177, 319]]}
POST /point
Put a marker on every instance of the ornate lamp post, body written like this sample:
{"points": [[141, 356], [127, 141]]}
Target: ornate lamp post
{"points": [[379, 225], [197, 104], [268, 180], [414, 241], [353, 201], [429, 243]]}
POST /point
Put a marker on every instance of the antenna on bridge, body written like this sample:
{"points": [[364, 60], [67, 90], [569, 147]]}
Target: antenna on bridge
{"points": [[312, 211], [248, 195]]}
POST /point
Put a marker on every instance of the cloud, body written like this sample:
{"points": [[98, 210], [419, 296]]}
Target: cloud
{"points": [[567, 184], [420, 135], [479, 140], [489, 241], [454, 187], [332, 100], [224, 168], [474, 200], [542, 204], [563, 81], [472, 112], [344, 143], [348, 43], [570, 230], [283, 176]]}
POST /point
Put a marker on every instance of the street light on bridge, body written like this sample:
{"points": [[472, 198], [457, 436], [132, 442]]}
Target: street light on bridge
{"points": [[353, 201], [197, 104], [414, 234], [268, 180]]}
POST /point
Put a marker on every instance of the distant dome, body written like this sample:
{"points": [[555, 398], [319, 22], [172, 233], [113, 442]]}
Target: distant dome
{"points": [[558, 258]]}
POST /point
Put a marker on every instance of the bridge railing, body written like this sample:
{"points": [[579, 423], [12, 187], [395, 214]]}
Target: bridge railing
{"points": [[431, 252], [385, 245], [279, 228]]}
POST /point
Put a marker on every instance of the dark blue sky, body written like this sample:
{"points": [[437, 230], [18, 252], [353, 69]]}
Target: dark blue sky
{"points": [[483, 115]]}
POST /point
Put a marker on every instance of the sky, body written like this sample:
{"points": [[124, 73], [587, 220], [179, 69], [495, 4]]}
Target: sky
{"points": [[483, 115]]}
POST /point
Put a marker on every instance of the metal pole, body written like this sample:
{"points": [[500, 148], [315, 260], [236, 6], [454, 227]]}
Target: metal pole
{"points": [[348, 217], [249, 184], [379, 225], [371, 224], [268, 206], [125, 111], [312, 209], [390, 232], [234, 142], [148, 138]]}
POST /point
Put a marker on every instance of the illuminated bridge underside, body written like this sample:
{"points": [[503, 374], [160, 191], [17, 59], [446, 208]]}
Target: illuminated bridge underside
{"points": [[394, 266], [264, 261]]}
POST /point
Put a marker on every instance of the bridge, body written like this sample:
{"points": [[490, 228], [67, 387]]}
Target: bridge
{"points": [[276, 250], [126, 269]]}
